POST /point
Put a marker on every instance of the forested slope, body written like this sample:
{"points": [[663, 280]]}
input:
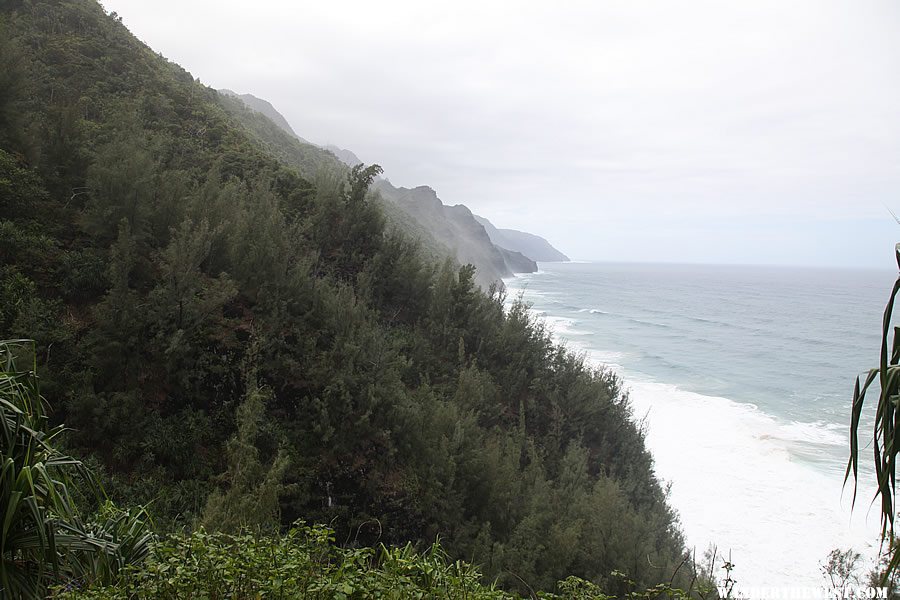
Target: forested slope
{"points": [[240, 341], [443, 231]]}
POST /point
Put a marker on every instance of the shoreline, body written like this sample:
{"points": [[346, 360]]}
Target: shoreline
{"points": [[730, 466]]}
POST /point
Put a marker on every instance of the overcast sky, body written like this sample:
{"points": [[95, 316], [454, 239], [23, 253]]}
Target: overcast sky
{"points": [[689, 131]]}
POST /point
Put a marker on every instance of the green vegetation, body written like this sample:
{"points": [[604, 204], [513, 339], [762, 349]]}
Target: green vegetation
{"points": [[306, 563], [44, 540], [886, 433], [47, 549], [237, 342]]}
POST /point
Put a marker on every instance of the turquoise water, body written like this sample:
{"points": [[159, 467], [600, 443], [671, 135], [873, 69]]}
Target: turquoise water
{"points": [[744, 375]]}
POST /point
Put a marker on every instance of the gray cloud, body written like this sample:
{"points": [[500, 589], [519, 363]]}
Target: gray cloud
{"points": [[688, 131]]}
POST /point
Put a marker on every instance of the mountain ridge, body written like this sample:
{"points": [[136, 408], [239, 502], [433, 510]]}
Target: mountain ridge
{"points": [[455, 228], [265, 107], [529, 244], [492, 265]]}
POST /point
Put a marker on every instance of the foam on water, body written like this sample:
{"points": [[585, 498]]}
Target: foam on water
{"points": [[560, 326], [737, 484], [765, 487]]}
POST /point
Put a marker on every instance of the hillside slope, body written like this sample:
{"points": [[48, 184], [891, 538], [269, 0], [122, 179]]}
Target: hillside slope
{"points": [[455, 228], [533, 246], [345, 156], [266, 108], [445, 231], [237, 345]]}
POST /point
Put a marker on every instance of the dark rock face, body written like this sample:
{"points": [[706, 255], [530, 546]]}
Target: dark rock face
{"points": [[443, 230], [518, 262], [533, 246], [451, 227]]}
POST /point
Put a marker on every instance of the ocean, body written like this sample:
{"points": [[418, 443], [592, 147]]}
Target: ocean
{"points": [[744, 376]]}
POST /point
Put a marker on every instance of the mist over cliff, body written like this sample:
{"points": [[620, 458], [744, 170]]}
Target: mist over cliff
{"points": [[446, 231]]}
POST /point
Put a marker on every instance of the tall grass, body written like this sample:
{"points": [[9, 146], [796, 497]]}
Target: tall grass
{"points": [[43, 540]]}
